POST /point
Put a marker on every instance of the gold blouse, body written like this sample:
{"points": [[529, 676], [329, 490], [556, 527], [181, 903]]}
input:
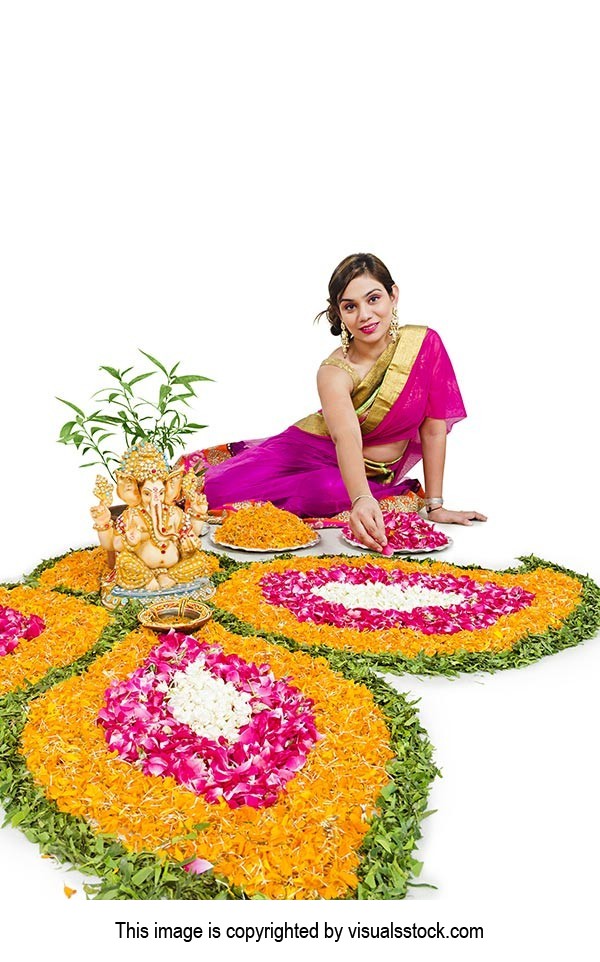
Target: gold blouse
{"points": [[337, 362]]}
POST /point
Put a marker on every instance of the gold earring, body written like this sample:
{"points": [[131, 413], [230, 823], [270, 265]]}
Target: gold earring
{"points": [[394, 326], [345, 339]]}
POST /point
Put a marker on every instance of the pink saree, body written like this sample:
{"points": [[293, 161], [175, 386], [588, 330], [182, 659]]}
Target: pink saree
{"points": [[298, 470]]}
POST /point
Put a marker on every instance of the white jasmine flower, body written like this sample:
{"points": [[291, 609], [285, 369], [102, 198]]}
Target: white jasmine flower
{"points": [[386, 597], [211, 707]]}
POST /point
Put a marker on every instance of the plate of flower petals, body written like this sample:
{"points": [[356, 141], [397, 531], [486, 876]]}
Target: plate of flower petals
{"points": [[263, 527], [215, 539], [407, 533]]}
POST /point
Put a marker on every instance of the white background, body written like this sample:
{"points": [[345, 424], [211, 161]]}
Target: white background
{"points": [[184, 178]]}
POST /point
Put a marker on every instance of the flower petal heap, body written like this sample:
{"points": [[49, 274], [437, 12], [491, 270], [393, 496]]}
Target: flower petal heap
{"points": [[14, 625], [252, 767], [70, 628], [305, 845], [498, 609], [84, 570], [78, 571], [407, 531]]}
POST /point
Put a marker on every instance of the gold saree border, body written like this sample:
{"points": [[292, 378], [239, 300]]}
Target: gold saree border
{"points": [[395, 374], [409, 344]]}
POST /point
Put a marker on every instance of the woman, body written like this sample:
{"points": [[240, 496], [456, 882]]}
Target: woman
{"points": [[389, 396]]}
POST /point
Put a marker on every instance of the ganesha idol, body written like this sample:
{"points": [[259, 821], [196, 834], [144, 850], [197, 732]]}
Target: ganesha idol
{"points": [[153, 544]]}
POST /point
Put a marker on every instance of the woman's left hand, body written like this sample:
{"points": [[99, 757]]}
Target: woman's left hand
{"points": [[443, 516]]}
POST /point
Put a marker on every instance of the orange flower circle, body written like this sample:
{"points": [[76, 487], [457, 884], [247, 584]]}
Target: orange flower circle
{"points": [[556, 596], [304, 846]]}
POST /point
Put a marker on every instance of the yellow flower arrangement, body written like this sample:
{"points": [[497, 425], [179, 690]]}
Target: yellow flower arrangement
{"points": [[71, 628], [556, 596], [263, 526], [78, 571], [84, 570], [304, 846]]}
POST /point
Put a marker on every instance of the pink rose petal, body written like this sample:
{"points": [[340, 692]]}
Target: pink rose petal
{"points": [[15, 626], [198, 866]]}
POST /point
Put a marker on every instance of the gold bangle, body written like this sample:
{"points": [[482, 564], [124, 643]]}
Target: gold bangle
{"points": [[362, 496], [102, 527]]}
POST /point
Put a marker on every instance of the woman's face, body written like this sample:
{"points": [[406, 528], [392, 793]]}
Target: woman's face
{"points": [[366, 309]]}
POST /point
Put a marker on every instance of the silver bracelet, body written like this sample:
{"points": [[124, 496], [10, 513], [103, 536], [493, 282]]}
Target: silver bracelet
{"points": [[430, 501], [362, 496]]}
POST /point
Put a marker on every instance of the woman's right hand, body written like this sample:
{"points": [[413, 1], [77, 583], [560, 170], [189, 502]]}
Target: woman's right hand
{"points": [[366, 523]]}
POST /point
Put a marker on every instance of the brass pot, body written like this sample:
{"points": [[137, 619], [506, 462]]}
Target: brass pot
{"points": [[186, 615]]}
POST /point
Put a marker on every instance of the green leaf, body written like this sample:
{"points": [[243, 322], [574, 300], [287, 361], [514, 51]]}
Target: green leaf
{"points": [[66, 429], [188, 378], [369, 879], [112, 371], [183, 398], [73, 406], [154, 361], [165, 392], [19, 817], [108, 419], [110, 392], [382, 840], [141, 875], [141, 377]]}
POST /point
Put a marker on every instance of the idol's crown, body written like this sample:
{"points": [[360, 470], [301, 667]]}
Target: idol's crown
{"points": [[144, 461]]}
